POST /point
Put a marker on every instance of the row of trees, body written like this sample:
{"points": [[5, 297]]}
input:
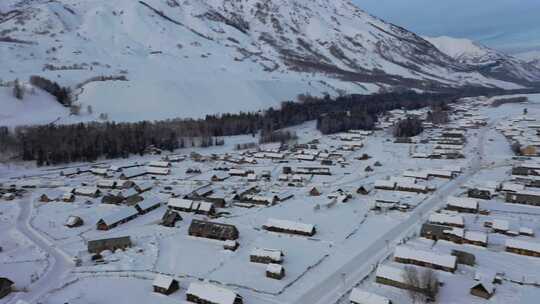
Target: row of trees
{"points": [[408, 127], [87, 142], [62, 94]]}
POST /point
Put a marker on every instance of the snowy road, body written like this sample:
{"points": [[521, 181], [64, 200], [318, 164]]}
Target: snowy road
{"points": [[59, 263], [336, 284]]}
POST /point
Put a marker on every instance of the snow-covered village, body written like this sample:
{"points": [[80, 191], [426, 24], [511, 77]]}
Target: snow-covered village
{"points": [[269, 152], [355, 217]]}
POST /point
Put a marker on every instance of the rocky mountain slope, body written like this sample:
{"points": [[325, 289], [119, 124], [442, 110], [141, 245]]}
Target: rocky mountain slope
{"points": [[191, 57], [489, 62]]}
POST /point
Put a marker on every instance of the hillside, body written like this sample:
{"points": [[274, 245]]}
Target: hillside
{"points": [[489, 62], [188, 58]]}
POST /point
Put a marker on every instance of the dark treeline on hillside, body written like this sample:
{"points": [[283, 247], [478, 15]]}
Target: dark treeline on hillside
{"points": [[54, 144]]}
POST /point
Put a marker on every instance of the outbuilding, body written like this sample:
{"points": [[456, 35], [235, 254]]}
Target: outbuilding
{"points": [[165, 284]]}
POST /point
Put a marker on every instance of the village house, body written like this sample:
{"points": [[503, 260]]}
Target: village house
{"points": [[74, 221], [180, 204], [266, 256], [88, 191], [158, 171], [148, 205], [165, 284], [385, 184], [230, 245], [359, 296], [112, 244], [219, 177], [106, 184], [159, 164], [462, 204], [428, 259], [117, 218], [132, 173], [212, 230], [68, 197], [170, 217], [44, 198], [447, 220], [205, 293], [205, 208], [523, 247], [275, 271], [393, 276], [284, 226], [6, 287], [142, 186], [526, 231], [475, 238], [239, 172], [314, 192], [439, 232], [524, 197], [481, 193], [464, 257], [483, 289], [99, 171]]}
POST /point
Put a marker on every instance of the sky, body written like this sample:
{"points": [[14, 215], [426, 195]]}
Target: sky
{"points": [[512, 26]]}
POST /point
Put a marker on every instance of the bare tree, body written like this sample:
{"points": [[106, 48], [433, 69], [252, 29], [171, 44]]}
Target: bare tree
{"points": [[424, 284]]}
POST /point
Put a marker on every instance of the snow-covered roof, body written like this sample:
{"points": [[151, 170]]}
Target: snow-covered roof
{"points": [[179, 203], [425, 256], [158, 170], [149, 203], [72, 220], [415, 174], [462, 202], [163, 281], [289, 225], [212, 293], [159, 164], [526, 230], [359, 296], [476, 236], [446, 219], [526, 245], [120, 215], [274, 268], [205, 206], [503, 225], [384, 184], [274, 255], [86, 190], [391, 273]]}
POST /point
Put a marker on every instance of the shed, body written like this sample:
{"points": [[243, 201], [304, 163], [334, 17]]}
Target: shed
{"points": [[165, 284], [74, 221], [275, 271], [483, 289], [314, 192]]}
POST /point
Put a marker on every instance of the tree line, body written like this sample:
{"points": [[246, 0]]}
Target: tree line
{"points": [[55, 144]]}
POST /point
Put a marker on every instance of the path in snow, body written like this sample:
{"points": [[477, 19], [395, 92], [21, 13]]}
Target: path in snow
{"points": [[59, 263]]}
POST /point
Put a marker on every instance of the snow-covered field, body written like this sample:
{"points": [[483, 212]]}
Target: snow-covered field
{"points": [[351, 238]]}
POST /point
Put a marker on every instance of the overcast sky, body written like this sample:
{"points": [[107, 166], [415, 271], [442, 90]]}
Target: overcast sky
{"points": [[509, 25]]}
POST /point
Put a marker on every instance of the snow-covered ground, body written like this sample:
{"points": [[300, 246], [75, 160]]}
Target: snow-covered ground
{"points": [[352, 237]]}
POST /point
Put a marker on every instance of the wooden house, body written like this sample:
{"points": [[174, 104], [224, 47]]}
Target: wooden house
{"points": [[68, 197], [480, 193], [314, 192], [170, 218], [428, 259], [266, 256], [74, 221], [524, 197], [447, 220], [44, 198], [180, 204], [6, 287], [462, 204], [284, 226], [464, 258], [483, 289], [148, 205], [230, 245], [112, 244], [393, 276], [165, 284], [385, 184], [88, 191], [275, 271], [523, 247], [475, 238], [205, 208], [439, 232], [117, 218], [205, 293], [212, 230]]}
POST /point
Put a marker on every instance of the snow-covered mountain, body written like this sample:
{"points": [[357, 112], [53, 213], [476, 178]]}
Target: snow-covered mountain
{"points": [[191, 57], [489, 62], [532, 57]]}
